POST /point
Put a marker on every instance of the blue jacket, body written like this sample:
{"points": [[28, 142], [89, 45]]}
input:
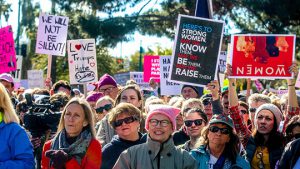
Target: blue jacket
{"points": [[201, 155], [112, 150], [16, 151]]}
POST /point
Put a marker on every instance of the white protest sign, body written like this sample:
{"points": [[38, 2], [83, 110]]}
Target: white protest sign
{"points": [[222, 61], [35, 79], [139, 78], [17, 74], [52, 35], [82, 61], [167, 87]]}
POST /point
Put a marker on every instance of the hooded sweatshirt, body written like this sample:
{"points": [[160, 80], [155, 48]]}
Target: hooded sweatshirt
{"points": [[112, 150]]}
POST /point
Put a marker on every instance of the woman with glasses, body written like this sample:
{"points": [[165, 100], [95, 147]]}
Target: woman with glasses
{"points": [[159, 151], [102, 107], [129, 94], [75, 145], [125, 119], [219, 146], [194, 121]]}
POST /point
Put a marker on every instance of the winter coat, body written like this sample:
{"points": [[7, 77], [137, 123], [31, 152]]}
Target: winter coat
{"points": [[202, 156], [154, 155], [105, 132], [91, 160], [290, 155], [180, 137], [16, 151], [274, 154], [112, 150]]}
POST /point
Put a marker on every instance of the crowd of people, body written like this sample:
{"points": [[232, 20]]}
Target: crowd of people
{"points": [[119, 127]]}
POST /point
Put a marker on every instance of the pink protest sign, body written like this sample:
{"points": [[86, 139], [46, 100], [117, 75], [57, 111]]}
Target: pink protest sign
{"points": [[151, 68], [7, 50]]}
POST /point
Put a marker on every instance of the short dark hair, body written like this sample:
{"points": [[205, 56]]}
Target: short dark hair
{"points": [[61, 83]]}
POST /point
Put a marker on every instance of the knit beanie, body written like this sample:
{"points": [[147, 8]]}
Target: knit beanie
{"points": [[93, 97], [273, 109], [195, 88], [169, 111], [106, 79]]}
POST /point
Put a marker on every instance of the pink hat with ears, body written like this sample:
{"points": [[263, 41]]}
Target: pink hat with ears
{"points": [[169, 111]]}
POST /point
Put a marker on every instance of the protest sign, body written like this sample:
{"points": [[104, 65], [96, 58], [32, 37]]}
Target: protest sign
{"points": [[7, 50], [167, 87], [258, 55], [17, 73], [151, 68], [52, 35], [35, 79], [196, 51], [121, 78], [82, 61], [222, 61], [139, 78]]}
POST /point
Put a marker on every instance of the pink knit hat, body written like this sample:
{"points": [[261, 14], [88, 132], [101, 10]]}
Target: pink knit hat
{"points": [[107, 80], [93, 97], [169, 111]]}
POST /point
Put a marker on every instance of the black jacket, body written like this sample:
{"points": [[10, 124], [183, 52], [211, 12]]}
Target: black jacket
{"points": [[290, 155]]}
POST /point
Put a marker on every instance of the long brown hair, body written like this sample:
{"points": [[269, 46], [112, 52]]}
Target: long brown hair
{"points": [[231, 150], [88, 114]]}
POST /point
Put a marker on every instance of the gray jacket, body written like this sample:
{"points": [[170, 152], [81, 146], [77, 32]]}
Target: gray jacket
{"points": [[154, 155], [105, 132]]}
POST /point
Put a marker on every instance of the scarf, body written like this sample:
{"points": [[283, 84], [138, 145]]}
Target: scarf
{"points": [[77, 149], [1, 117]]}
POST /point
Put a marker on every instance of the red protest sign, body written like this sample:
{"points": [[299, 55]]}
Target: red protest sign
{"points": [[257, 55]]}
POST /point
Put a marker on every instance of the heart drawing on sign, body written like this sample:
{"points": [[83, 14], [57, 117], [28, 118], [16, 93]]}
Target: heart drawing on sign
{"points": [[78, 46], [92, 64], [71, 61]]}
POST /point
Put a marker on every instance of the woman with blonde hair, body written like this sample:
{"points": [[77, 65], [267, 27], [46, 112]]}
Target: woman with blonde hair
{"points": [[16, 150], [74, 145]]}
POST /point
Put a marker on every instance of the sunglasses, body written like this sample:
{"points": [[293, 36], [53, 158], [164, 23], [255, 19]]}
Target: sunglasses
{"points": [[197, 122], [206, 102], [106, 107], [244, 112], [216, 129], [252, 110], [127, 120]]}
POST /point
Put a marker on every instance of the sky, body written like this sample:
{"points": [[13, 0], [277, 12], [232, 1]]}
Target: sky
{"points": [[124, 49]]}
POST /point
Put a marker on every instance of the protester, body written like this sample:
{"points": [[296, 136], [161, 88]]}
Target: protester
{"points": [[244, 109], [16, 151], [194, 121], [189, 91], [61, 86], [206, 101], [74, 145], [128, 94], [102, 108], [154, 86], [125, 119], [159, 151], [92, 98], [265, 145], [108, 86], [219, 145], [290, 158], [293, 129], [8, 82]]}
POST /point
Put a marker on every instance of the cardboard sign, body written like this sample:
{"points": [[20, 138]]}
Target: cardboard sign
{"points": [[35, 79], [196, 51], [151, 68], [52, 35], [139, 78], [82, 61], [257, 55], [7, 50], [167, 87], [17, 73]]}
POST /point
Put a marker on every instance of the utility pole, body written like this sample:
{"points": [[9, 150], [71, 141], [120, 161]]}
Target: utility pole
{"points": [[18, 33], [140, 60]]}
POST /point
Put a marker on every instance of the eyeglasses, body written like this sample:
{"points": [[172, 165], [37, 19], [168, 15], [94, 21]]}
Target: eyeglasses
{"points": [[127, 120], [244, 112], [189, 123], [252, 110], [155, 122], [216, 129], [109, 89], [106, 107], [259, 156]]}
